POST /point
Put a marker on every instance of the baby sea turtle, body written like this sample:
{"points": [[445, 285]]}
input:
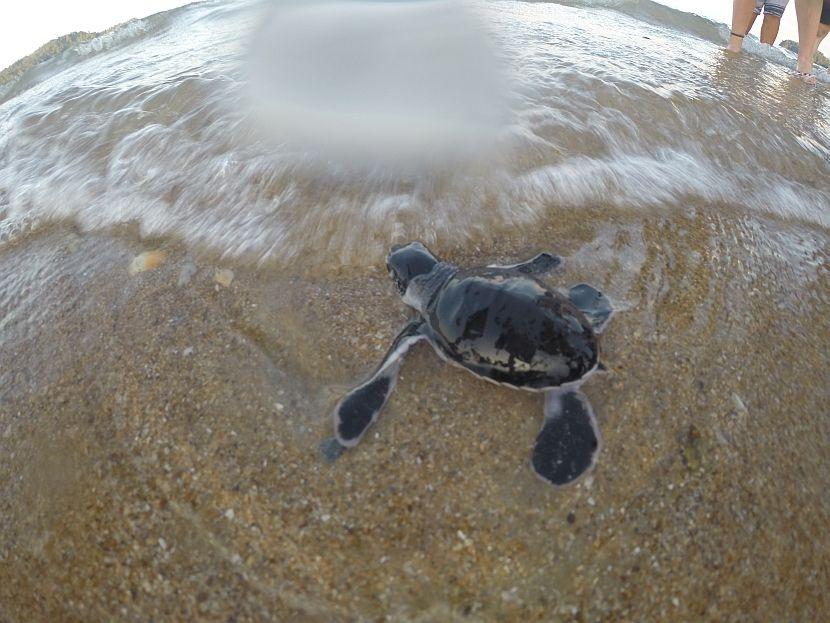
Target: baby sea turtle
{"points": [[504, 325]]}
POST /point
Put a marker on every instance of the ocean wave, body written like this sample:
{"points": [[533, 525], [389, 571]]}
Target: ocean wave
{"points": [[633, 117], [128, 31], [63, 52], [659, 15]]}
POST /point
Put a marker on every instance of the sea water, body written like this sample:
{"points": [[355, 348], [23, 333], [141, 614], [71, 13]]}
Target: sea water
{"points": [[505, 113]]}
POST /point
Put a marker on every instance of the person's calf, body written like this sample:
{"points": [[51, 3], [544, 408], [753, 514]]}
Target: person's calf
{"points": [[741, 17], [823, 29], [769, 29]]}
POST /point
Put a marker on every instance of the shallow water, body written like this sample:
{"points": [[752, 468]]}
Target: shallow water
{"points": [[159, 429], [163, 438]]}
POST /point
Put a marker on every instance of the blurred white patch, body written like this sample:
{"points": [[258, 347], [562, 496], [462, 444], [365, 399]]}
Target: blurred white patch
{"points": [[378, 80]]}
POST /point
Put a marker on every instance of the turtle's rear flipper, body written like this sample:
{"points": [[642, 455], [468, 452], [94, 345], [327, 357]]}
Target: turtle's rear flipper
{"points": [[361, 407], [593, 303], [569, 442], [539, 265]]}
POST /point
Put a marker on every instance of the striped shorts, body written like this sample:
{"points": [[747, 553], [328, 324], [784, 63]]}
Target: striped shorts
{"points": [[771, 7]]}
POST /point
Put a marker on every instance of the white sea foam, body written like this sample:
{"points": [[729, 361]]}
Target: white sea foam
{"points": [[605, 108]]}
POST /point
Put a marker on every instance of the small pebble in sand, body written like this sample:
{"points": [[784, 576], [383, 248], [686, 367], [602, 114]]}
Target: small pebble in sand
{"points": [[186, 273], [187, 352], [229, 514], [223, 277], [149, 260], [740, 407]]}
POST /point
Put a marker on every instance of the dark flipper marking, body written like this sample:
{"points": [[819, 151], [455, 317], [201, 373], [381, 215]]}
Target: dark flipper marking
{"points": [[358, 409], [593, 303], [539, 265], [361, 406], [569, 442]]}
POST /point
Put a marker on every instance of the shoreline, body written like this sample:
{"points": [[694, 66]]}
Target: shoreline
{"points": [[158, 441]]}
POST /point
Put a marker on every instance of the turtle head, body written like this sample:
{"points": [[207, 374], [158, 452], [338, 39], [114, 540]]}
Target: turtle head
{"points": [[406, 262]]}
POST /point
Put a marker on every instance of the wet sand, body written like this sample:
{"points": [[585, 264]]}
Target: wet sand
{"points": [[159, 433]]}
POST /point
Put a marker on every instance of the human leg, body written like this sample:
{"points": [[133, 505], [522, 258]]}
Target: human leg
{"points": [[773, 11], [769, 29], [823, 26], [808, 13], [752, 21], [742, 17], [823, 29]]}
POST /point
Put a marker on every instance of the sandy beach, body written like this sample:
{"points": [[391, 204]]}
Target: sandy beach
{"points": [[195, 209], [159, 434]]}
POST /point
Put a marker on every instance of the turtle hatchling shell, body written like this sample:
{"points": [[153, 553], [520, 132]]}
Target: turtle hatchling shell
{"points": [[512, 329]]}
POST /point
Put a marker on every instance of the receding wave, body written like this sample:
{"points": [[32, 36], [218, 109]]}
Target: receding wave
{"points": [[62, 52], [660, 15], [156, 127]]}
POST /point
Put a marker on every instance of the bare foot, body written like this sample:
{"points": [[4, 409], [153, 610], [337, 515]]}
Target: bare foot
{"points": [[735, 43], [806, 77], [804, 65]]}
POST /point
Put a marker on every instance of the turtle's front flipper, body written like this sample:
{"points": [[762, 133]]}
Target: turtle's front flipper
{"points": [[593, 303], [568, 444], [539, 265], [361, 407]]}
